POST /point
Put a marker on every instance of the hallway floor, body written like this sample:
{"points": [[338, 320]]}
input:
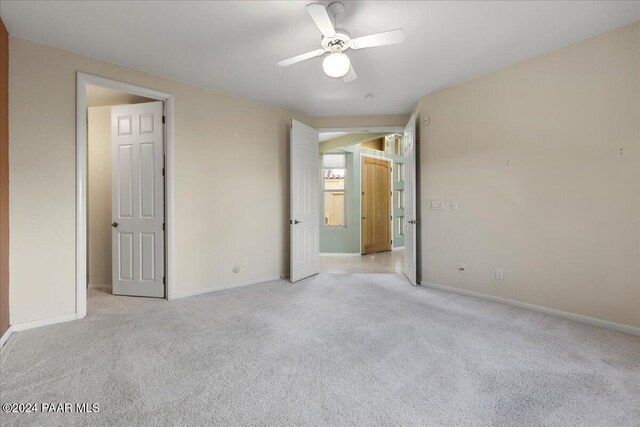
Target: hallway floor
{"points": [[390, 262]]}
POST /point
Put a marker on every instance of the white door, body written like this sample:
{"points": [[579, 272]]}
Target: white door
{"points": [[137, 199], [304, 221], [410, 200]]}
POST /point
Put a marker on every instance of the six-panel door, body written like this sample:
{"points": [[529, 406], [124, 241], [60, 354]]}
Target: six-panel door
{"points": [[137, 153], [304, 210], [410, 210]]}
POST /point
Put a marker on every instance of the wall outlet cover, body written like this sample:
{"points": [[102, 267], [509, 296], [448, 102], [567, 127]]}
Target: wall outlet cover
{"points": [[499, 273], [453, 204], [437, 204]]}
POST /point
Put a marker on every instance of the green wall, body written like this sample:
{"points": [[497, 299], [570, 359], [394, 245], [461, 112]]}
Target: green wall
{"points": [[347, 239]]}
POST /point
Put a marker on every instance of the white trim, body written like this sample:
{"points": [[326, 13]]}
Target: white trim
{"points": [[6, 335], [230, 286], [82, 80], [336, 254], [370, 129], [619, 327], [399, 248], [43, 322], [360, 197]]}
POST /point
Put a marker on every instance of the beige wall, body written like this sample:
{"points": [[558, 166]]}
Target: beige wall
{"points": [[218, 222], [563, 216], [100, 96], [362, 121], [99, 195]]}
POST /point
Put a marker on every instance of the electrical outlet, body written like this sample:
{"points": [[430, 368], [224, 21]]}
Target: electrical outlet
{"points": [[462, 267], [437, 204], [245, 262], [499, 273], [453, 204]]}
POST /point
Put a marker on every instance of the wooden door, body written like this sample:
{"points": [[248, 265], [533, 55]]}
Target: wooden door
{"points": [[305, 209], [137, 149], [376, 205]]}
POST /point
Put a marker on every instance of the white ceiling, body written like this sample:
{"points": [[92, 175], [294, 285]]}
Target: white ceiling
{"points": [[325, 136], [233, 46]]}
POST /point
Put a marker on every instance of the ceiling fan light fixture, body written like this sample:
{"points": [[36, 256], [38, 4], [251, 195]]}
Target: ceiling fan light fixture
{"points": [[336, 65]]}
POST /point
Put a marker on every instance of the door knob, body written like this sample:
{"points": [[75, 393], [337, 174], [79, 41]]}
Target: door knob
{"points": [[364, 217], [295, 221], [114, 224]]}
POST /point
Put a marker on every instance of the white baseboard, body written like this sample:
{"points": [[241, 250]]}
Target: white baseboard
{"points": [[179, 295], [619, 327], [43, 322], [6, 335], [399, 248], [340, 254]]}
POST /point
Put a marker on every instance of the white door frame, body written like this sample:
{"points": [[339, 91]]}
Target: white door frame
{"points": [[82, 80], [390, 196]]}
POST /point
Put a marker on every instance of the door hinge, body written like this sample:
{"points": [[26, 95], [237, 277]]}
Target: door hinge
{"points": [[164, 120], [163, 226], [162, 171], [164, 280]]}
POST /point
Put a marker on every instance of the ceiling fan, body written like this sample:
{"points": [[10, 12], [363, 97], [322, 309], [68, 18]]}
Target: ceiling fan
{"points": [[337, 41]]}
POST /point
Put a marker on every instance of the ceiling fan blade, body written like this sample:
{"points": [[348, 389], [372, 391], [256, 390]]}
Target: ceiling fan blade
{"points": [[379, 39], [320, 16], [300, 58], [350, 76]]}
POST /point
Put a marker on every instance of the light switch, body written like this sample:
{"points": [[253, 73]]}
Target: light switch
{"points": [[437, 204]]}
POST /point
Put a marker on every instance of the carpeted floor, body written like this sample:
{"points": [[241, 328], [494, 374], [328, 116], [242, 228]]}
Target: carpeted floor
{"points": [[333, 349]]}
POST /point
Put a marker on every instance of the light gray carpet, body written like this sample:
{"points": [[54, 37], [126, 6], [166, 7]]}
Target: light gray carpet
{"points": [[333, 349]]}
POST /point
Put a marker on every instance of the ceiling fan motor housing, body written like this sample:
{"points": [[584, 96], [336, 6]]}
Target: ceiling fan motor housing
{"points": [[339, 43]]}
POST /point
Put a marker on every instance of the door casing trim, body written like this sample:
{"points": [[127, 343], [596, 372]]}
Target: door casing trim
{"points": [[82, 80]]}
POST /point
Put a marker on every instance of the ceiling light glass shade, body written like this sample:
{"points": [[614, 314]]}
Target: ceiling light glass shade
{"points": [[336, 65]]}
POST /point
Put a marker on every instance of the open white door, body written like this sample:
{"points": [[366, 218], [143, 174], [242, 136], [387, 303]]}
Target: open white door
{"points": [[410, 200], [137, 199], [305, 215]]}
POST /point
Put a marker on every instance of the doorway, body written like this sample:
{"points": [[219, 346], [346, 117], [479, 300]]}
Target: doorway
{"points": [[322, 178], [361, 233], [124, 189]]}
